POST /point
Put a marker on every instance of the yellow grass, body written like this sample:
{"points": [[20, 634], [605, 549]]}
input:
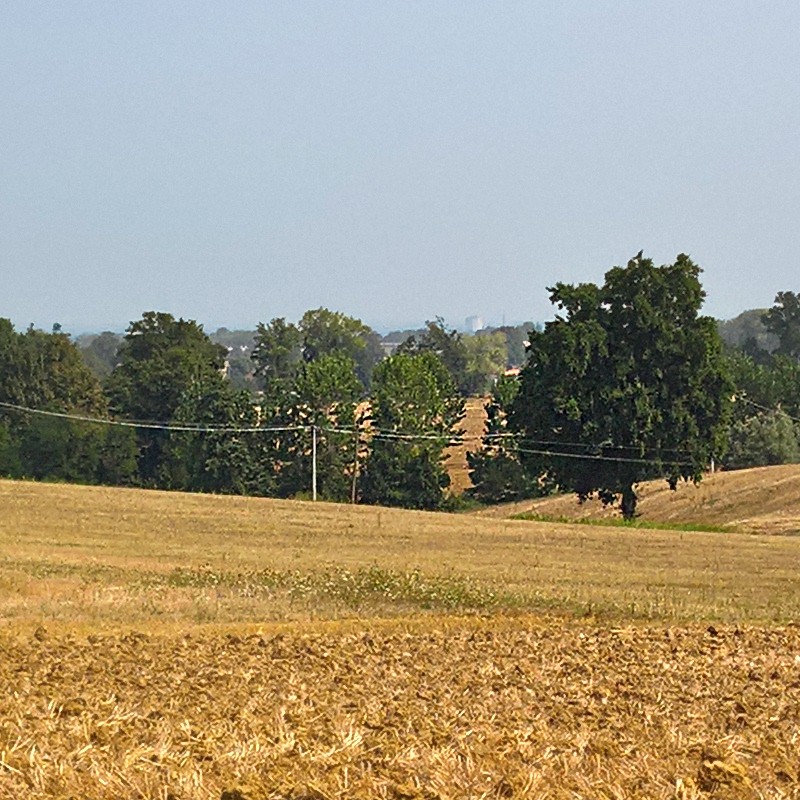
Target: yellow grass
{"points": [[156, 645], [472, 427], [89, 554]]}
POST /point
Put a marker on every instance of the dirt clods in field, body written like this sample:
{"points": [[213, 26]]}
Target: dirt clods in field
{"points": [[438, 710]]}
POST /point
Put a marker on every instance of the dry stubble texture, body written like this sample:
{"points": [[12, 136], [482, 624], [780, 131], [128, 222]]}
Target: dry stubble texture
{"points": [[444, 709]]}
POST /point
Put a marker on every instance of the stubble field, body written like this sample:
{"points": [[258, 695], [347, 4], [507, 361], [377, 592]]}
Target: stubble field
{"points": [[157, 646]]}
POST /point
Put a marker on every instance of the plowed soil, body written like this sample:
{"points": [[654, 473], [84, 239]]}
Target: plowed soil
{"points": [[450, 709]]}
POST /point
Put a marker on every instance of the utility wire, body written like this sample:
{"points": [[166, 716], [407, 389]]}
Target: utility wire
{"points": [[598, 457], [765, 408], [163, 426], [519, 437], [374, 434]]}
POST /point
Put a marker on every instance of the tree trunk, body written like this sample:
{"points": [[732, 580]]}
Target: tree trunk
{"points": [[628, 504]]}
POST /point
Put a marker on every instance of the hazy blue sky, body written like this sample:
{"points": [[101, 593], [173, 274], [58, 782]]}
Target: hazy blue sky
{"points": [[236, 161]]}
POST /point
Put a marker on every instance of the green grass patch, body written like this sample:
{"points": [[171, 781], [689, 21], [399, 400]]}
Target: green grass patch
{"points": [[607, 522], [351, 589]]}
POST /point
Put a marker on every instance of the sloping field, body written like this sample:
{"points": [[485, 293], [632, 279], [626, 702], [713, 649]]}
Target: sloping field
{"points": [[89, 555], [762, 500], [157, 645], [472, 427]]}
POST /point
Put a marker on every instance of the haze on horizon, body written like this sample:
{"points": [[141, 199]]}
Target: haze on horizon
{"points": [[395, 161]]}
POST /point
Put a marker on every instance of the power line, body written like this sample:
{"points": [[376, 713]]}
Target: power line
{"points": [[599, 457], [765, 408], [373, 433], [189, 427]]}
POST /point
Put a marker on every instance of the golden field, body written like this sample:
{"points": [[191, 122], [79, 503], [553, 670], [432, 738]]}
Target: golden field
{"points": [[157, 645], [472, 428], [758, 500]]}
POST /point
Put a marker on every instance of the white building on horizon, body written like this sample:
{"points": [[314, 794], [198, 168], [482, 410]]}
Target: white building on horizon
{"points": [[474, 324]]}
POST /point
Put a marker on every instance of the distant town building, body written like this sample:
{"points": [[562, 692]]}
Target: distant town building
{"points": [[474, 324], [389, 348]]}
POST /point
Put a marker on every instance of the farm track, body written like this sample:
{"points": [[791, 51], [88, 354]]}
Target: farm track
{"points": [[443, 708]]}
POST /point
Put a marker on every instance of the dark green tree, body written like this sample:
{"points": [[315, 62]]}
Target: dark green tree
{"points": [[45, 372], [225, 461], [627, 384], [783, 322], [415, 411], [159, 361], [278, 353], [325, 397], [328, 332], [447, 345], [281, 348]]}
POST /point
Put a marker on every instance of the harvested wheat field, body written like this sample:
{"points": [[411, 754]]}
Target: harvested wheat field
{"points": [[760, 500], [473, 428], [442, 709], [155, 645]]}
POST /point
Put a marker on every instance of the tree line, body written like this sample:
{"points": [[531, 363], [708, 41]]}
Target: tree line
{"points": [[628, 382], [378, 426]]}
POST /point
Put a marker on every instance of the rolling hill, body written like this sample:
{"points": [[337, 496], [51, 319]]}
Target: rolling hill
{"points": [[760, 500]]}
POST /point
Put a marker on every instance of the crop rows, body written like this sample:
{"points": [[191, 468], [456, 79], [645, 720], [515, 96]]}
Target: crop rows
{"points": [[439, 708]]}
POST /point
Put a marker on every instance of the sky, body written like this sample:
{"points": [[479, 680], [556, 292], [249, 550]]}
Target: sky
{"points": [[236, 162]]}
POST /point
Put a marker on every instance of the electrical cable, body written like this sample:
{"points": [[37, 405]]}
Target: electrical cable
{"points": [[165, 426], [373, 433]]}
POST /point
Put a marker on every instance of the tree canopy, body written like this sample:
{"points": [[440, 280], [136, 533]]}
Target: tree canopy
{"points": [[415, 411], [626, 384], [447, 345], [45, 372], [783, 322], [160, 360], [281, 347], [495, 470]]}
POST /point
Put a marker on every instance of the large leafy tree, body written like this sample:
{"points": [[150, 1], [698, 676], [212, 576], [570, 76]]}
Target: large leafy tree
{"points": [[415, 411], [447, 345], [783, 321], [281, 348], [324, 397], [225, 456], [160, 360], [627, 384], [278, 352], [45, 372]]}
